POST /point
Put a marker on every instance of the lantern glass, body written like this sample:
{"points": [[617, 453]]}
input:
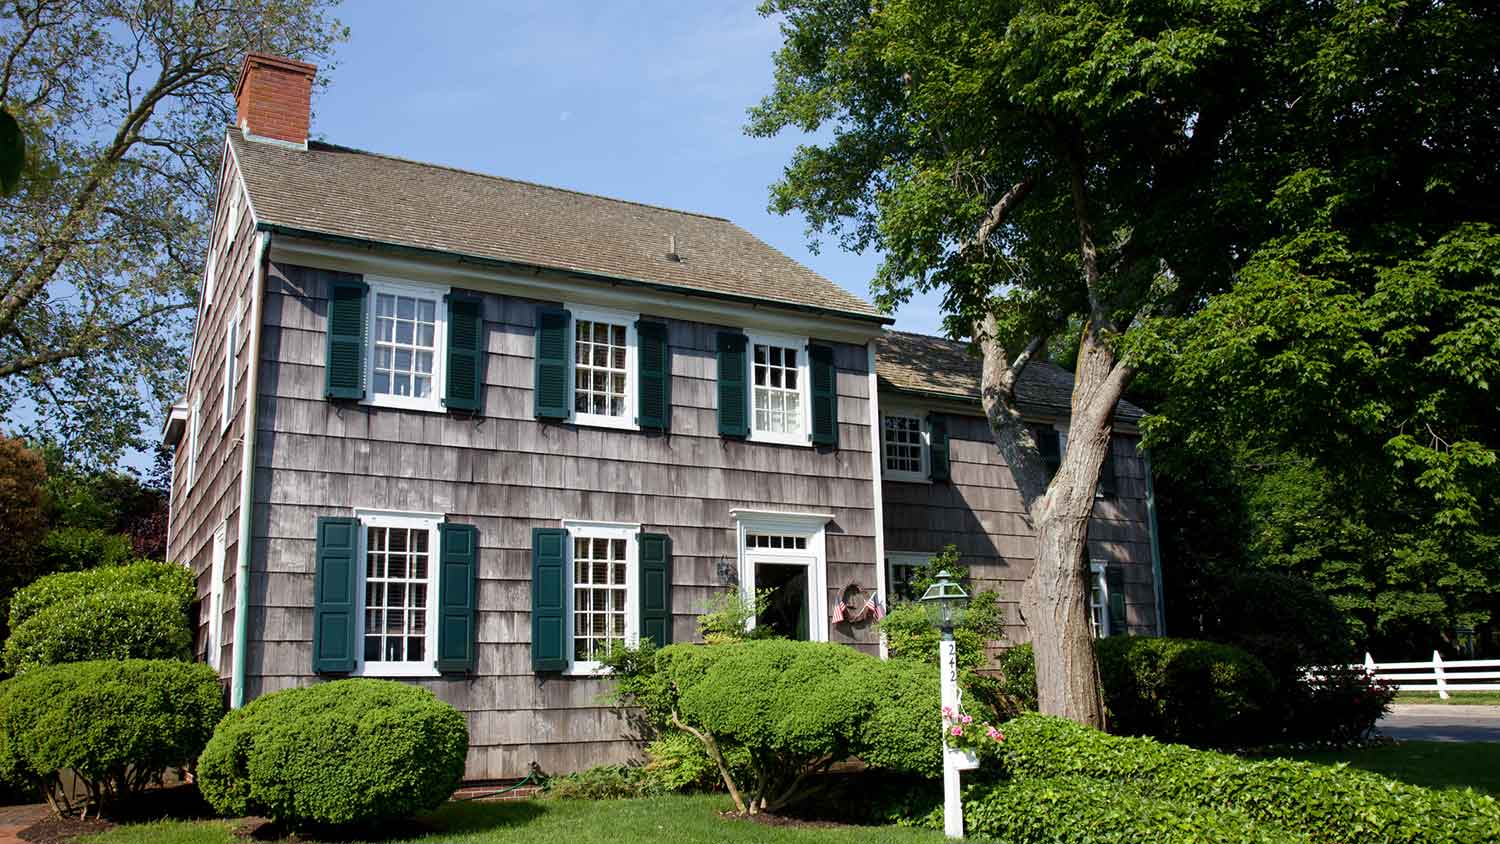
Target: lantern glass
{"points": [[946, 602]]}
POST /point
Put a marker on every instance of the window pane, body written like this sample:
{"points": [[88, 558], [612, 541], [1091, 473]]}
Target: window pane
{"points": [[406, 307]]}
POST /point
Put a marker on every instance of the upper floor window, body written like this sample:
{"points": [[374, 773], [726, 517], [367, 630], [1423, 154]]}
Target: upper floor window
{"points": [[231, 367], [904, 446], [604, 348], [778, 385], [406, 333], [195, 424]]}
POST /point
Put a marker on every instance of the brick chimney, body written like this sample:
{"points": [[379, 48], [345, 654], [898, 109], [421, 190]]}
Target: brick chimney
{"points": [[274, 98]]}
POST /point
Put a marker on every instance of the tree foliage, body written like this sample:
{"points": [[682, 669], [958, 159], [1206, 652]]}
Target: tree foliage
{"points": [[124, 106]]}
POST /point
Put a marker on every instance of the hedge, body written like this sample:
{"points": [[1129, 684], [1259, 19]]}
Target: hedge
{"points": [[1077, 810], [1203, 693], [349, 752], [1328, 804], [165, 578], [119, 725]]}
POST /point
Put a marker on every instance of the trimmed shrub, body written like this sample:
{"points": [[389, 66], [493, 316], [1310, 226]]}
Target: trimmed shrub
{"points": [[792, 708], [677, 762], [1331, 804], [348, 752], [1076, 810], [166, 578], [119, 725], [125, 624], [1185, 690], [1338, 704]]}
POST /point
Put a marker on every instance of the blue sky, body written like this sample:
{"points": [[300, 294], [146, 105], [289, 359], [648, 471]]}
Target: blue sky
{"points": [[641, 101]]}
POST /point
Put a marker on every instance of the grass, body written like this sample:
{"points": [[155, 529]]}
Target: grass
{"points": [[653, 820], [1432, 764], [1455, 698]]}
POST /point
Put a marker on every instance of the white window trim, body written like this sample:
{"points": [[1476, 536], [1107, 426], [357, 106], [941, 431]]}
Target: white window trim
{"points": [[810, 525], [1098, 579], [400, 287], [804, 401], [398, 519], [630, 532], [915, 559], [627, 420], [922, 476], [231, 363], [232, 220], [214, 635], [195, 426]]}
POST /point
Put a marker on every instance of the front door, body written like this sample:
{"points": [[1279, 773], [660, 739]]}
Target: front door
{"points": [[789, 608]]}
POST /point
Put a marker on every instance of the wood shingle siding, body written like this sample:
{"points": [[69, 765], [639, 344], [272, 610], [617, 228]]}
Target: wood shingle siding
{"points": [[213, 499], [505, 473]]}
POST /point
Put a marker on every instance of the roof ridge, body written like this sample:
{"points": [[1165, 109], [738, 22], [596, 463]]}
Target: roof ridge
{"points": [[466, 171]]}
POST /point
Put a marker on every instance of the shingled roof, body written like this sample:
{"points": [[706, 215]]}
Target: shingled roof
{"points": [[934, 366], [346, 193]]}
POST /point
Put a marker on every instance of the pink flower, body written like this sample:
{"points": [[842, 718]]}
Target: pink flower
{"points": [[947, 712], [968, 719], [957, 730]]}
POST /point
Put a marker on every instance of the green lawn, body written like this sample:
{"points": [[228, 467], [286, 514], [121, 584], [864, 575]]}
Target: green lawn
{"points": [[649, 821], [1433, 764], [1472, 698]]}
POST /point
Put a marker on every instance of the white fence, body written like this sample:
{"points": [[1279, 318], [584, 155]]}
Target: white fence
{"points": [[1437, 675]]}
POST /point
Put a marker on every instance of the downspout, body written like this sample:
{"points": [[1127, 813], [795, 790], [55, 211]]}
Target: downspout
{"points": [[1161, 611], [878, 493], [247, 476]]}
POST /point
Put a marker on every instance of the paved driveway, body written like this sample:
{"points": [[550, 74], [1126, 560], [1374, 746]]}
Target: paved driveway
{"points": [[1439, 722]]}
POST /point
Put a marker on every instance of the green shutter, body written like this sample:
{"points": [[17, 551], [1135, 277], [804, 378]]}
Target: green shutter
{"points": [[653, 376], [464, 376], [459, 557], [825, 396], [1114, 582], [334, 588], [937, 448], [549, 591], [1108, 488], [554, 393], [344, 366], [1047, 444], [656, 588], [734, 399]]}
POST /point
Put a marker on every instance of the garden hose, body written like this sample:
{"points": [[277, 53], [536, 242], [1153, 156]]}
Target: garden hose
{"points": [[532, 776]]}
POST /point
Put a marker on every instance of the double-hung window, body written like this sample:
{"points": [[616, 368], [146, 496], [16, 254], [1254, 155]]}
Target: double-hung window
{"points": [[1098, 600], [195, 424], [778, 389], [213, 637], [904, 440], [901, 568], [398, 553], [407, 331], [604, 350], [231, 367], [603, 605]]}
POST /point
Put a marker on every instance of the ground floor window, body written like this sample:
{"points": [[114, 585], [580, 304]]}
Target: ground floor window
{"points": [[604, 600], [398, 586], [901, 567], [1098, 600]]}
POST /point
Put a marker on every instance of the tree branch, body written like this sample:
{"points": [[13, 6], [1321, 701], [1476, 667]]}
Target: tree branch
{"points": [[997, 214]]}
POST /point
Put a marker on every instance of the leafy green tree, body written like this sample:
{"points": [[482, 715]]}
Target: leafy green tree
{"points": [[1114, 165], [123, 106]]}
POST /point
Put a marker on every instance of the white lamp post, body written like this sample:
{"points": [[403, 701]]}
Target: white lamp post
{"points": [[946, 603]]}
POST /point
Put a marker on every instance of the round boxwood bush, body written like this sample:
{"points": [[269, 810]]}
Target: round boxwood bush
{"points": [[350, 752], [1185, 690], [117, 724]]}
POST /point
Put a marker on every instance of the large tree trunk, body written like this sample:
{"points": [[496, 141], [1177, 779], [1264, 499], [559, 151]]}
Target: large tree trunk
{"points": [[1055, 598]]}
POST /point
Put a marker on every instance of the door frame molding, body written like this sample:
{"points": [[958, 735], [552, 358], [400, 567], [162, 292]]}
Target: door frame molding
{"points": [[815, 557]]}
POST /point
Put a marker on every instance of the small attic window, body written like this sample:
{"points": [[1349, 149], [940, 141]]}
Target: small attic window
{"points": [[672, 250]]}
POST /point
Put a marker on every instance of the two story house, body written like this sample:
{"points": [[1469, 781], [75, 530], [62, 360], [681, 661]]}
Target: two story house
{"points": [[474, 433]]}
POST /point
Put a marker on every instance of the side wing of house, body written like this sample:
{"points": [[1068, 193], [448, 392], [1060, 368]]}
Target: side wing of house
{"points": [[945, 483]]}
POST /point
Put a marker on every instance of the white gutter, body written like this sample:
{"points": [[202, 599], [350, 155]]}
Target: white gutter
{"points": [[1161, 610], [247, 476], [877, 492]]}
